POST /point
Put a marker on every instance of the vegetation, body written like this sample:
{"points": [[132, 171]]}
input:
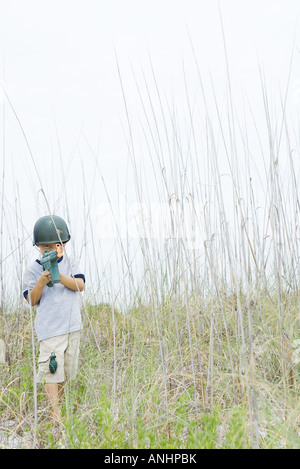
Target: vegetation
{"points": [[191, 324], [181, 385]]}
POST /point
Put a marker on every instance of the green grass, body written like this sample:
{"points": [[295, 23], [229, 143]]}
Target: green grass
{"points": [[152, 387]]}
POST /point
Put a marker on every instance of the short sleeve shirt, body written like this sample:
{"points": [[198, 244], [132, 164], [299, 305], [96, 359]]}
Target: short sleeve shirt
{"points": [[58, 311]]}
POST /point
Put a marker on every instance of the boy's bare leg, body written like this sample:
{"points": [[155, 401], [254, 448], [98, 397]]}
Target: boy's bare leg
{"points": [[60, 390], [54, 392]]}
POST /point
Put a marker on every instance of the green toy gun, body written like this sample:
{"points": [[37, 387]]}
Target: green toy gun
{"points": [[49, 262]]}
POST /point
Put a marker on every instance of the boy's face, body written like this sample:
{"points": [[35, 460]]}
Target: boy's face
{"points": [[49, 247]]}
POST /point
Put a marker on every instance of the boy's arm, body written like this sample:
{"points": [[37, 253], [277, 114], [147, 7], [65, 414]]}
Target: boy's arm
{"points": [[74, 284], [37, 290]]}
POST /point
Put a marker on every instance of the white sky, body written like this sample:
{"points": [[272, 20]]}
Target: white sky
{"points": [[59, 56], [58, 65]]}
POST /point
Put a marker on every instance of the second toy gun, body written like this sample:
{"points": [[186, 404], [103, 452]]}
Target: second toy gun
{"points": [[49, 262]]}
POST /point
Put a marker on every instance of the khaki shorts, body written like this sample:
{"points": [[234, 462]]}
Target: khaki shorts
{"points": [[66, 349]]}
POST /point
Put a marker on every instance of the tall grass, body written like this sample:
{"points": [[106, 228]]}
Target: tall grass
{"points": [[192, 317]]}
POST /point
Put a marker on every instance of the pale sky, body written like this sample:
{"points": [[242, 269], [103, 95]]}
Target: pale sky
{"points": [[59, 69], [59, 56]]}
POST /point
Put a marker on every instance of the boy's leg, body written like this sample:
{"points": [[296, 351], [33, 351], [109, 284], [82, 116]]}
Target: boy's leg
{"points": [[53, 393], [72, 355], [53, 383], [66, 348]]}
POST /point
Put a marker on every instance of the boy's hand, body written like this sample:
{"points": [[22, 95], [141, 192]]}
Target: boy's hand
{"points": [[45, 277], [36, 292]]}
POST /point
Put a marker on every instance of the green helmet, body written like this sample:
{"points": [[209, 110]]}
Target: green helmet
{"points": [[50, 229]]}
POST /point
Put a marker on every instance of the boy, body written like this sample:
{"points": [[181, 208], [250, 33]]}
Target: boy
{"points": [[58, 318]]}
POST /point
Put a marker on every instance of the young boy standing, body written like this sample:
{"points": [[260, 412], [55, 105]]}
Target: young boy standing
{"points": [[58, 317]]}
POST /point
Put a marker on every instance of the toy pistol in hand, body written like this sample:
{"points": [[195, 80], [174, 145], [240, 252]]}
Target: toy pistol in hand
{"points": [[49, 262]]}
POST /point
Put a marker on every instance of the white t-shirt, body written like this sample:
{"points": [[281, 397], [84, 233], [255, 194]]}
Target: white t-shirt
{"points": [[58, 311]]}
